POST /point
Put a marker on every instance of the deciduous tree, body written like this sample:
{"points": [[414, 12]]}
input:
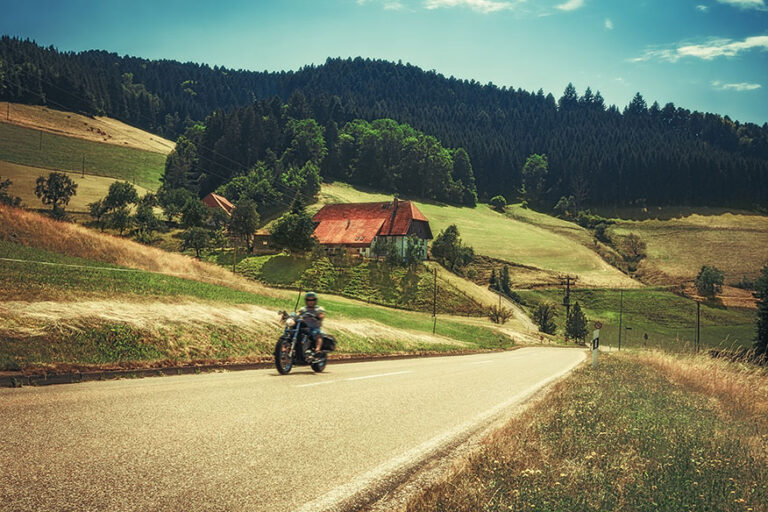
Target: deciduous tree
{"points": [[709, 282], [55, 189]]}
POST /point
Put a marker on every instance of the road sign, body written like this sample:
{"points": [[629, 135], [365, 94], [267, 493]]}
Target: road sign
{"points": [[595, 346], [598, 325]]}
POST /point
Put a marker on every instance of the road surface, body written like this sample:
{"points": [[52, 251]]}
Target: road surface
{"points": [[251, 440]]}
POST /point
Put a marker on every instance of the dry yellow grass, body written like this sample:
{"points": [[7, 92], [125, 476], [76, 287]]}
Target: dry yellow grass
{"points": [[35, 230], [736, 243], [95, 129], [89, 188], [736, 386]]}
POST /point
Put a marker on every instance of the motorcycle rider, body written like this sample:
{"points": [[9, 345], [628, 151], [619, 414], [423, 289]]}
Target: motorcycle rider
{"points": [[312, 316]]}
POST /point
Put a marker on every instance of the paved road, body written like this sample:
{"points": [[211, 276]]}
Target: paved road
{"points": [[250, 440]]}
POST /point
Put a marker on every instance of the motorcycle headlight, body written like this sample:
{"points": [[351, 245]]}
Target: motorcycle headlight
{"points": [[290, 322]]}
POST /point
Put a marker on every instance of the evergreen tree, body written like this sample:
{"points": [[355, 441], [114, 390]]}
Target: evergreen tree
{"points": [[544, 316], [761, 294], [576, 324]]}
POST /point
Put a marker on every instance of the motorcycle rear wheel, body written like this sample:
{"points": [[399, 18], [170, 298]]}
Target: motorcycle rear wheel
{"points": [[283, 359], [319, 366]]}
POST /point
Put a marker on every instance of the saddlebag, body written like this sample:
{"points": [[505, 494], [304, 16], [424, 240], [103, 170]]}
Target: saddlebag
{"points": [[329, 343]]}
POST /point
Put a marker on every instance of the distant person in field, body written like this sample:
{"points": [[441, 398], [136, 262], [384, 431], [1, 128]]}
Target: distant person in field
{"points": [[313, 316]]}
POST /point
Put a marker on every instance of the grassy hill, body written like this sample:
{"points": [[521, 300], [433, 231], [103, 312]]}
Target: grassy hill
{"points": [[667, 318], [538, 241], [681, 241], [89, 187], [95, 129], [48, 151], [73, 297]]}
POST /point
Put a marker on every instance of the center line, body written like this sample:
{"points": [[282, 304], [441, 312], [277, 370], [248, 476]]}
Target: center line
{"points": [[350, 378], [378, 375], [315, 383]]}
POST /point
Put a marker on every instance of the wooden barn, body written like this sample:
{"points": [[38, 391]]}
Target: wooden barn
{"points": [[355, 227]]}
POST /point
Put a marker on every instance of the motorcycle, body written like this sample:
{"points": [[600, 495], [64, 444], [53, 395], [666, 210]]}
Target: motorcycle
{"points": [[295, 341]]}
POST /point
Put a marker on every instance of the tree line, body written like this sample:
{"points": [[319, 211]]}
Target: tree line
{"points": [[268, 152], [599, 154]]}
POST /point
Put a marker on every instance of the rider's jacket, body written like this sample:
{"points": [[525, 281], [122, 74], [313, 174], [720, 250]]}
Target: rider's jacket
{"points": [[312, 316]]}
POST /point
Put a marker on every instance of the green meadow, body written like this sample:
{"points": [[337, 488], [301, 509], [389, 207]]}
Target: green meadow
{"points": [[27, 147]]}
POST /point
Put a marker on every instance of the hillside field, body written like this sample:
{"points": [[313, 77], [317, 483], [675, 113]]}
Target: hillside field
{"points": [[667, 318], [500, 236], [95, 129], [735, 242], [23, 146], [73, 297], [89, 188]]}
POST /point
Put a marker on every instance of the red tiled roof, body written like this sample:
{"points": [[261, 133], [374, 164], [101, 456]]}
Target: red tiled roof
{"points": [[216, 201], [391, 225], [350, 232]]}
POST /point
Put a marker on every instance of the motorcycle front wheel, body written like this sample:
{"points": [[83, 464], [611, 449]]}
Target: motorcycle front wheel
{"points": [[283, 359]]}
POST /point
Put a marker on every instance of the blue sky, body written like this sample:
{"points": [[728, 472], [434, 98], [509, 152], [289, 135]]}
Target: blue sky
{"points": [[709, 55]]}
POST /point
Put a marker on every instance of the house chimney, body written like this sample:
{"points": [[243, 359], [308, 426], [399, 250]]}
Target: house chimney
{"points": [[348, 221], [394, 204]]}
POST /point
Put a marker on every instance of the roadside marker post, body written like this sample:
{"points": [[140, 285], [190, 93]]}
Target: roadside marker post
{"points": [[595, 343]]}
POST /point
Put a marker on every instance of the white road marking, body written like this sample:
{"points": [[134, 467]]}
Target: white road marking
{"points": [[351, 378], [482, 362], [338, 495], [316, 383], [379, 375]]}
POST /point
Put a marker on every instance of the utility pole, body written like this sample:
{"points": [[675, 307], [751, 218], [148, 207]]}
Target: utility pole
{"points": [[567, 298], [434, 305], [8, 111], [621, 311], [567, 301], [82, 168], [41, 140], [698, 325]]}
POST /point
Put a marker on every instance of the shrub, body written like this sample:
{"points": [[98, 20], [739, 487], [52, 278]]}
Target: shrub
{"points": [[5, 197], [499, 314], [498, 203]]}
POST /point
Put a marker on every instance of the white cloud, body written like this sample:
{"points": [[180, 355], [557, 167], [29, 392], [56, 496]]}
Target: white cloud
{"points": [[571, 5], [608, 24], [394, 5], [484, 6], [746, 4], [702, 8], [741, 86], [706, 51]]}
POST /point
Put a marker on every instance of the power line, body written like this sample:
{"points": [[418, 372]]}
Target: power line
{"points": [[150, 121]]}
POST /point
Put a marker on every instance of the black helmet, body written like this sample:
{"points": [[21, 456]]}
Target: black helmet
{"points": [[310, 296]]}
